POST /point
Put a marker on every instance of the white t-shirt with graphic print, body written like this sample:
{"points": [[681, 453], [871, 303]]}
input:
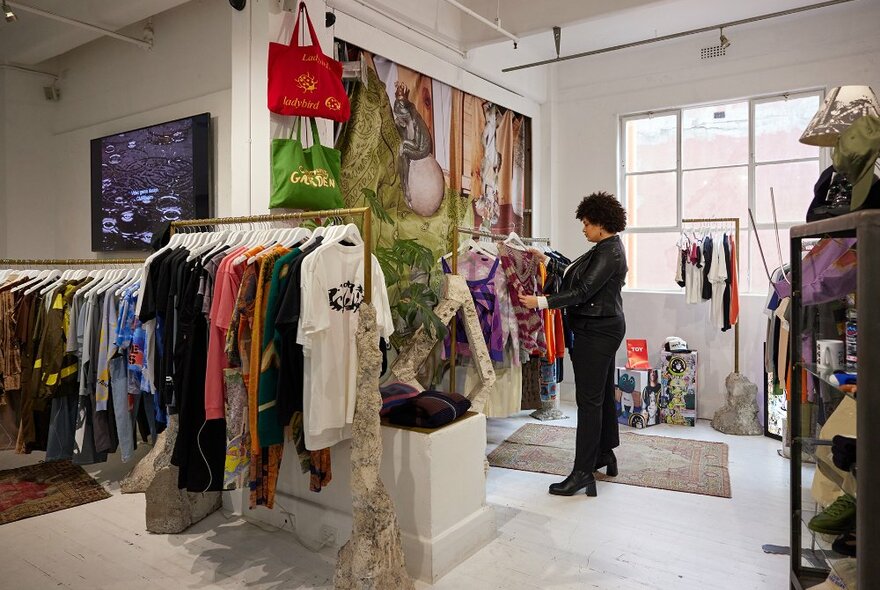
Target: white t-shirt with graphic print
{"points": [[332, 293]]}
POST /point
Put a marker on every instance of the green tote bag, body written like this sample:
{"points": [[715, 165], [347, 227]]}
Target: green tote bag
{"points": [[305, 178]]}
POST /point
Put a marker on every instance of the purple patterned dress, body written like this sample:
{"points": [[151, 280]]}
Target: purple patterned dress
{"points": [[488, 310]]}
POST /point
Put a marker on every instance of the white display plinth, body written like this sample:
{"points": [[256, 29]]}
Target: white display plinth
{"points": [[436, 479]]}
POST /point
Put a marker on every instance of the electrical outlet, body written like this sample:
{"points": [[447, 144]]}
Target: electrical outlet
{"points": [[328, 535]]}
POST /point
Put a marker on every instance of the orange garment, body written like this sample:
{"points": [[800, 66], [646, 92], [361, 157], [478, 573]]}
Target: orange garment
{"points": [[265, 462], [804, 377], [560, 333], [734, 287], [549, 324]]}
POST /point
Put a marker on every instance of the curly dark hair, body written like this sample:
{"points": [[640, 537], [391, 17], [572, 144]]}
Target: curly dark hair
{"points": [[604, 210]]}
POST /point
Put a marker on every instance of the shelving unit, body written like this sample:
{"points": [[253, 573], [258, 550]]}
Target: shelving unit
{"points": [[811, 564]]}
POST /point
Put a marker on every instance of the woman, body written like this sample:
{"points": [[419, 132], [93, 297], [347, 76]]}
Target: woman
{"points": [[591, 295]]}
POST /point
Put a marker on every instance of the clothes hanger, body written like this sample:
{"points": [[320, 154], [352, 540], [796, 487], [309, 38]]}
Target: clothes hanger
{"points": [[297, 235], [514, 240], [99, 277], [132, 277], [273, 237], [53, 284], [207, 244], [33, 280], [49, 277], [112, 283]]}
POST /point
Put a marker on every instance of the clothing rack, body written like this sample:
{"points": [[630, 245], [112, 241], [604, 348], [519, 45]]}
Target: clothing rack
{"points": [[735, 222], [67, 261], [456, 235], [364, 212]]}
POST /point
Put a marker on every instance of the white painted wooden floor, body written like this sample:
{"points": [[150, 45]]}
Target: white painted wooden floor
{"points": [[627, 538]]}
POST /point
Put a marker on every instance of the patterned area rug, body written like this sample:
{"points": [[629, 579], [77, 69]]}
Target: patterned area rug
{"points": [[680, 465], [45, 487]]}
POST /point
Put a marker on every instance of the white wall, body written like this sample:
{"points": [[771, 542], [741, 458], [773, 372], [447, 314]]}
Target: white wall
{"points": [[826, 48], [107, 87]]}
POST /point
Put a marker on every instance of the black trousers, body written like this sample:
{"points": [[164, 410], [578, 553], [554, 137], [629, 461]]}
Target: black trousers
{"points": [[596, 341]]}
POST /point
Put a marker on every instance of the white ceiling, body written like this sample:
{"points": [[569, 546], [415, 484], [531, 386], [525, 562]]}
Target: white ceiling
{"points": [[586, 24], [33, 39]]}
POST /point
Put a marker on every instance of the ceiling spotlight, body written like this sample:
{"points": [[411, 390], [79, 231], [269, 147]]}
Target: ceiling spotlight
{"points": [[10, 16], [723, 40]]}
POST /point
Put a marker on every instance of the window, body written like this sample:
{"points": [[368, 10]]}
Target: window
{"points": [[715, 161]]}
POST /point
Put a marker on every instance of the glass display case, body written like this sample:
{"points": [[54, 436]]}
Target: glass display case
{"points": [[834, 336]]}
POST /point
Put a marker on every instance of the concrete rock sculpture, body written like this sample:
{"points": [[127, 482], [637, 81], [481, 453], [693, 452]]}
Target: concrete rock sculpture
{"points": [[169, 509], [373, 558], [457, 297], [139, 479], [740, 414]]}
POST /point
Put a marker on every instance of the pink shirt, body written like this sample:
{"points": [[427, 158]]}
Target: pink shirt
{"points": [[226, 283]]}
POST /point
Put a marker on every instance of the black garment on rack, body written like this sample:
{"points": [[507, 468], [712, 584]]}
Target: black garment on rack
{"points": [[200, 448], [682, 261], [707, 265], [169, 290], [289, 393], [149, 304], [727, 284]]}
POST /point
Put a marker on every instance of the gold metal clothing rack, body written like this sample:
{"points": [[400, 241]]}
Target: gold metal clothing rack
{"points": [[364, 212], [456, 235], [67, 261], [735, 222]]}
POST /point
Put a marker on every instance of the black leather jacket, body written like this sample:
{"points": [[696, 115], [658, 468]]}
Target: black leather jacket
{"points": [[592, 285]]}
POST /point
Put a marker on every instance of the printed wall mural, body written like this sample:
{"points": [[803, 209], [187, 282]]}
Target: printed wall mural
{"points": [[431, 153]]}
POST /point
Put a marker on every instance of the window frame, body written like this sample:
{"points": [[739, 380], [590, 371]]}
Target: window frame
{"points": [[751, 164]]}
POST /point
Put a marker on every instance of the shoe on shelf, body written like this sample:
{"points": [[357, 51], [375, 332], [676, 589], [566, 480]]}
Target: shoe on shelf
{"points": [[574, 483], [837, 519], [609, 461], [845, 545]]}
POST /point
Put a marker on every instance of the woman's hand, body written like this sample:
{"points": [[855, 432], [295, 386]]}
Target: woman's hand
{"points": [[528, 301], [541, 256]]}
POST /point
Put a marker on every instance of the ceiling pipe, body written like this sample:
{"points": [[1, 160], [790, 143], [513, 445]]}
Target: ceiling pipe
{"points": [[493, 25], [80, 24], [744, 21], [26, 70]]}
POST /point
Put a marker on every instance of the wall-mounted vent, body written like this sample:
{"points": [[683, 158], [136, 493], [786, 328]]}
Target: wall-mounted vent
{"points": [[714, 51]]}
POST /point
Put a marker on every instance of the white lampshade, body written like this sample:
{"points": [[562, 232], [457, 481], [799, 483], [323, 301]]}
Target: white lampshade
{"points": [[842, 107]]}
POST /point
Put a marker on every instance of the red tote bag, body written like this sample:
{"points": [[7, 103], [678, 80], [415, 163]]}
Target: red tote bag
{"points": [[303, 82]]}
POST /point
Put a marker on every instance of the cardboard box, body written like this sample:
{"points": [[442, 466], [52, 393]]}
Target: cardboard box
{"points": [[678, 395], [637, 394]]}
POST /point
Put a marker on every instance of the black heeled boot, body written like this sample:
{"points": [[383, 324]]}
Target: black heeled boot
{"points": [[574, 483], [609, 461]]}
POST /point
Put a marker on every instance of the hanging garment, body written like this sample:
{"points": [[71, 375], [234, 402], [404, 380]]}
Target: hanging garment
{"points": [[505, 397], [227, 280], [708, 250], [332, 288], [531, 387], [265, 459], [289, 395], [681, 265], [734, 283], [485, 300], [694, 281], [549, 382], [522, 271], [718, 278]]}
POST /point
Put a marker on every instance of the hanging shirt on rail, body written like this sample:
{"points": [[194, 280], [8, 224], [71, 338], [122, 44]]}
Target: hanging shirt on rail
{"points": [[332, 292]]}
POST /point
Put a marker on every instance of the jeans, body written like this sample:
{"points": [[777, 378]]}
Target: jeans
{"points": [[119, 391], [596, 341]]}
